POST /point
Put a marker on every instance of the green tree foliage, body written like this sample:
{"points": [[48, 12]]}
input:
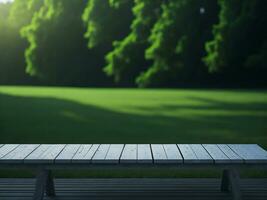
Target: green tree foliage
{"points": [[126, 60], [177, 43], [12, 18], [57, 51], [151, 43], [106, 20], [240, 43]]}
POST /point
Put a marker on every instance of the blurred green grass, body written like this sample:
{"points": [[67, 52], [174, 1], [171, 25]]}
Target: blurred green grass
{"points": [[81, 115]]}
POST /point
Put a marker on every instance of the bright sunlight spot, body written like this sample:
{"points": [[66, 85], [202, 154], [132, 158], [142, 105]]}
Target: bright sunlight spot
{"points": [[5, 1]]}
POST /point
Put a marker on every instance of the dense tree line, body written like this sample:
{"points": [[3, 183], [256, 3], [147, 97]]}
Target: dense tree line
{"points": [[145, 43]]}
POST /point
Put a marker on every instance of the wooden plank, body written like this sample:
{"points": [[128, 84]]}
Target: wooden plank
{"points": [[67, 153], [19, 153], [85, 153], [45, 153], [201, 153], [129, 154], [144, 153], [251, 153], [216, 153], [129, 188], [187, 153], [101, 153], [114, 153], [234, 158], [256, 150], [4, 150], [158, 152], [173, 153]]}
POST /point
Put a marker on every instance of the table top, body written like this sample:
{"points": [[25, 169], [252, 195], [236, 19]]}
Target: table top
{"points": [[132, 154]]}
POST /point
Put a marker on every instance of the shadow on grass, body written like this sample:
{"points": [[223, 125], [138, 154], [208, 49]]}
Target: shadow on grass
{"points": [[50, 120]]}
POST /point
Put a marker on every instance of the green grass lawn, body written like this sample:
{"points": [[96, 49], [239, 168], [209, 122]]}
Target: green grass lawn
{"points": [[73, 115]]}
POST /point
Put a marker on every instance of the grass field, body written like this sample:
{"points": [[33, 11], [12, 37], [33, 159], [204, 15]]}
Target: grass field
{"points": [[73, 115]]}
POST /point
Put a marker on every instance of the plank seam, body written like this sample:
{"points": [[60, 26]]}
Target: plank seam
{"points": [[31, 152], [75, 152], [151, 154], [224, 153], [9, 151], [213, 160], [121, 152], [237, 154], [59, 153], [180, 152], [94, 152]]}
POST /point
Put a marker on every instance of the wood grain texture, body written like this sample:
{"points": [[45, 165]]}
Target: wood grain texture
{"points": [[251, 153], [67, 153], [133, 153], [173, 153], [158, 153], [234, 158], [114, 153], [129, 154], [187, 153], [45, 153], [201, 153], [19, 153], [216, 153], [144, 154], [7, 148], [101, 153]]}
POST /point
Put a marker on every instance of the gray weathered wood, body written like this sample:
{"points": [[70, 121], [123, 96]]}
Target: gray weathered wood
{"points": [[144, 153], [7, 148], [158, 153], [85, 153], [173, 154], [251, 153], [45, 153], [19, 153], [81, 156], [129, 154], [234, 158], [67, 153], [133, 153], [101, 153], [114, 153], [187, 153], [216, 153], [201, 153]]}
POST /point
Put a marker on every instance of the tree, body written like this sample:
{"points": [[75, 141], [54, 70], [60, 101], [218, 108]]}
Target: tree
{"points": [[106, 20], [13, 16], [177, 43], [126, 61], [57, 51], [239, 43]]}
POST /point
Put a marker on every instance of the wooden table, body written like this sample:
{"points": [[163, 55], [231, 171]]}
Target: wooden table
{"points": [[46, 157]]}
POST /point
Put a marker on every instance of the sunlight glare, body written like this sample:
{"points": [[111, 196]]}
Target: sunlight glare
{"points": [[5, 1]]}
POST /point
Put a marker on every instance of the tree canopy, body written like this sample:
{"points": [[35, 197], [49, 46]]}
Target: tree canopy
{"points": [[144, 43]]}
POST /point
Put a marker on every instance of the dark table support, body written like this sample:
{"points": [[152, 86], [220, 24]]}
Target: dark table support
{"points": [[231, 182], [44, 183]]}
